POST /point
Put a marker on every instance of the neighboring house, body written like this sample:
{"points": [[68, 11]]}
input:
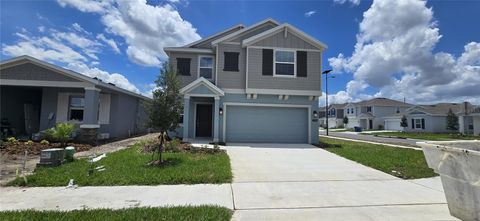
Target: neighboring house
{"points": [[35, 95], [335, 116], [251, 84], [374, 114], [430, 118], [469, 121]]}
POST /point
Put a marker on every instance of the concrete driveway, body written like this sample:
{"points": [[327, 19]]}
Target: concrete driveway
{"points": [[300, 181]]}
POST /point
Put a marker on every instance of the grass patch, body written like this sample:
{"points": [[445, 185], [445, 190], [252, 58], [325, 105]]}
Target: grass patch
{"points": [[428, 136], [187, 213], [399, 162], [128, 167]]}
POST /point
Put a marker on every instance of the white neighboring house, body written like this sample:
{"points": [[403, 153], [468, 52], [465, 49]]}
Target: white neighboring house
{"points": [[335, 116], [374, 114], [433, 118], [469, 121]]}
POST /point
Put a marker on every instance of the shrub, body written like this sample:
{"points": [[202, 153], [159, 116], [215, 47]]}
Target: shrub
{"points": [[29, 143], [62, 132], [12, 140], [44, 142]]}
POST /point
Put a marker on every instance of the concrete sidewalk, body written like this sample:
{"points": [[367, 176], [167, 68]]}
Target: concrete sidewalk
{"points": [[61, 198]]}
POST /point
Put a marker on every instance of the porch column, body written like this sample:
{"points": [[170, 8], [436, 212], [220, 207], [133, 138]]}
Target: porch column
{"points": [[216, 119], [90, 113], [88, 132], [186, 108], [461, 124]]}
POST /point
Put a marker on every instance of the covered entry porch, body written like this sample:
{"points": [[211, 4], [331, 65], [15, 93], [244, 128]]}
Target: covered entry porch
{"points": [[201, 111]]}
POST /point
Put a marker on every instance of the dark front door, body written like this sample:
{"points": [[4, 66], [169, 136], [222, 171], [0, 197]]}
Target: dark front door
{"points": [[370, 124], [203, 124]]}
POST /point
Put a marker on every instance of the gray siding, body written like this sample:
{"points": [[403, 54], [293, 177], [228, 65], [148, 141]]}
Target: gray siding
{"points": [[253, 32], [30, 71], [124, 116], [229, 79], [258, 81], [279, 40], [193, 66]]}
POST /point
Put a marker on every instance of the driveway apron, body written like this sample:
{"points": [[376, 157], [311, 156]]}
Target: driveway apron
{"points": [[300, 181]]}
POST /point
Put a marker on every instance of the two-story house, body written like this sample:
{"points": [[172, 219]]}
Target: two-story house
{"points": [[259, 83], [374, 113], [335, 114]]}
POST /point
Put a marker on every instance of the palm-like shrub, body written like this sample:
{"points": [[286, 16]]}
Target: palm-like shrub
{"points": [[62, 132]]}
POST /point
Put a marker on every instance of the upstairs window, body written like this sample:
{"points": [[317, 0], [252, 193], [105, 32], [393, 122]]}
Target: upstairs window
{"points": [[206, 67], [418, 123], [369, 109], [183, 66], [231, 61], [284, 63], [76, 108]]}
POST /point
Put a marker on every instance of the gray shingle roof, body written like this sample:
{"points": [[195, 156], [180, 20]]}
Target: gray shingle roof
{"points": [[380, 101]]}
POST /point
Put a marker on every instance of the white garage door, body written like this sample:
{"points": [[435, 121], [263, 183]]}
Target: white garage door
{"points": [[393, 124], [266, 124]]}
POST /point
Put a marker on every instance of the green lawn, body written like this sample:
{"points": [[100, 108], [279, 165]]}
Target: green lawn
{"points": [[407, 163], [128, 167], [428, 136], [188, 213]]}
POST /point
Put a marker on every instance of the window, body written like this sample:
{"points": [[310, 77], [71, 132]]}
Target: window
{"points": [[348, 111], [418, 123], [369, 109], [76, 107], [183, 66], [231, 61], [284, 63], [180, 121], [206, 67]]}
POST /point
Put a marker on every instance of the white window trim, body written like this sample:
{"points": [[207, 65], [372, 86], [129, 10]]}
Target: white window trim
{"points": [[294, 63], [415, 123], [70, 108], [213, 62]]}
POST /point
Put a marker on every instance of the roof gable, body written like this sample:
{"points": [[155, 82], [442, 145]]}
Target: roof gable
{"points": [[206, 42], [285, 28], [72, 74], [202, 86], [246, 30]]}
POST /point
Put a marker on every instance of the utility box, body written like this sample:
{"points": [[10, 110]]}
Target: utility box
{"points": [[52, 157]]}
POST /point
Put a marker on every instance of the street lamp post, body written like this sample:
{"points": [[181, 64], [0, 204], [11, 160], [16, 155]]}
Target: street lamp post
{"points": [[326, 72]]}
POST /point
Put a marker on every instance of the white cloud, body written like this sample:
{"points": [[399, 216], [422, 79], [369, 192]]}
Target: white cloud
{"points": [[145, 28], [110, 42], [310, 13], [394, 54], [352, 2], [41, 28], [68, 50], [77, 27]]}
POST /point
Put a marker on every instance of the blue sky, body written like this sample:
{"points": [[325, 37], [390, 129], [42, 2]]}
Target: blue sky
{"points": [[122, 43]]}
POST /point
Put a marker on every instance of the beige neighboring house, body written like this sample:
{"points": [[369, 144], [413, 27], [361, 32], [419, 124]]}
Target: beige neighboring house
{"points": [[374, 114]]}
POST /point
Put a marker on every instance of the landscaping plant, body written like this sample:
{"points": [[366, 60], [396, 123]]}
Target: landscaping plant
{"points": [[166, 106], [452, 121], [404, 122], [345, 120], [62, 132]]}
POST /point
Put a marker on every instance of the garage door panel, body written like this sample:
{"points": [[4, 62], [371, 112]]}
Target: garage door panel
{"points": [[266, 124], [393, 125]]}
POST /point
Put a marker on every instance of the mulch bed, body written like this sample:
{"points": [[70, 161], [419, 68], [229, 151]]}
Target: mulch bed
{"points": [[35, 148]]}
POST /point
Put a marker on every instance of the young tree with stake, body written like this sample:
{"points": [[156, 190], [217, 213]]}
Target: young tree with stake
{"points": [[165, 108]]}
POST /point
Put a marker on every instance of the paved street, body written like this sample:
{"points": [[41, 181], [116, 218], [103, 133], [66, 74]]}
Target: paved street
{"points": [[355, 136]]}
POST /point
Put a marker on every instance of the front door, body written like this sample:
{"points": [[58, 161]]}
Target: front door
{"points": [[203, 124]]}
